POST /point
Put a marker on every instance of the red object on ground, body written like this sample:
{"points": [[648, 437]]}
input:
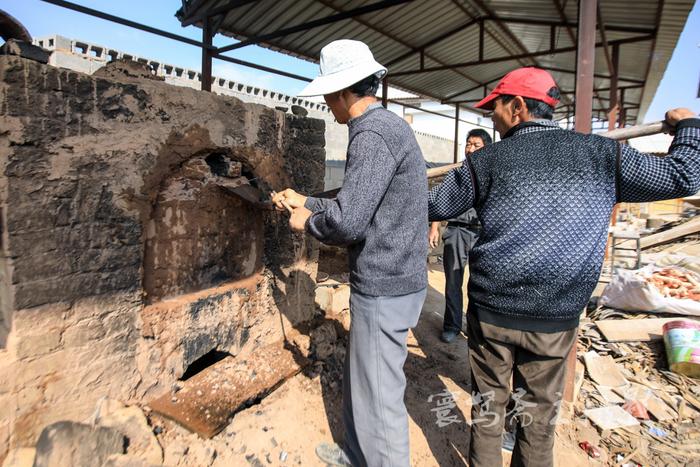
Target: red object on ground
{"points": [[636, 409], [591, 450]]}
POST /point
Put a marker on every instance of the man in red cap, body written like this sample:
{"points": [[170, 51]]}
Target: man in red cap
{"points": [[544, 197]]}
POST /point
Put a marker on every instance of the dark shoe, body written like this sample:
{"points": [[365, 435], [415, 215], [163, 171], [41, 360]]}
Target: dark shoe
{"points": [[448, 336], [332, 454]]}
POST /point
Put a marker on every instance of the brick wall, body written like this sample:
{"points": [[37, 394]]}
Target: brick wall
{"points": [[86, 163]]}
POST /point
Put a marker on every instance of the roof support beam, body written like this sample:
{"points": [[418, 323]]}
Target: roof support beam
{"points": [[570, 26], [634, 86], [207, 38], [122, 21], [506, 29], [385, 92], [189, 18], [659, 11], [481, 40], [190, 7], [553, 24], [562, 15], [398, 40], [455, 158], [585, 64], [186, 40], [623, 110], [381, 5], [565, 23], [517, 57], [448, 99], [473, 88], [606, 48], [614, 109], [431, 42], [261, 67], [597, 75]]}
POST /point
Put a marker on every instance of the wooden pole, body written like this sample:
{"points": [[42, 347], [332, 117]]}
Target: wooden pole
{"points": [[385, 93], [585, 64], [206, 54], [617, 134], [614, 108], [456, 145]]}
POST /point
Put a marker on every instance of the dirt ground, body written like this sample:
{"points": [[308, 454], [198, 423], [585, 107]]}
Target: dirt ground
{"points": [[286, 426]]}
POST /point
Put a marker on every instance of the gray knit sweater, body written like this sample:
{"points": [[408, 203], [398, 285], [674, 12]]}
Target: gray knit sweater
{"points": [[381, 212]]}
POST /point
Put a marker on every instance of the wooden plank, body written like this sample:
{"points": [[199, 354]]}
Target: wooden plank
{"points": [[634, 330], [603, 370], [618, 134], [688, 228], [610, 417]]}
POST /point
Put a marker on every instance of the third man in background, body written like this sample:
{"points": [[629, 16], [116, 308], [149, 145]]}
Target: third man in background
{"points": [[459, 237]]}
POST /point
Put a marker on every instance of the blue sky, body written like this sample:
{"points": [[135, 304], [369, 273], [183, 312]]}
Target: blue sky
{"points": [[678, 88]]}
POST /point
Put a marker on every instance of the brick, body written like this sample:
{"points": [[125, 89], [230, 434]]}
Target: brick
{"points": [[59, 263], [83, 333], [31, 294], [38, 344]]}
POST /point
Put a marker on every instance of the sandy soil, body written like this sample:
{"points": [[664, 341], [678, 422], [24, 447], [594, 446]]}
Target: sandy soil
{"points": [[285, 427]]}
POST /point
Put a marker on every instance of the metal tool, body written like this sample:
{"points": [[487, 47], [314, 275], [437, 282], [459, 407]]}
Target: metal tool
{"points": [[241, 187]]}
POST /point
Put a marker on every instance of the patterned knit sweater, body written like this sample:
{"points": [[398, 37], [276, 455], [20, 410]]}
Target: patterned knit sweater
{"points": [[544, 197]]}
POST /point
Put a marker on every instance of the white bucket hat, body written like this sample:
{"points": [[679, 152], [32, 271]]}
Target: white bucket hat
{"points": [[343, 63]]}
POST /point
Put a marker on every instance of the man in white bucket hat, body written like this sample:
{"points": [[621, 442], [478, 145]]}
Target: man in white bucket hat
{"points": [[381, 215]]}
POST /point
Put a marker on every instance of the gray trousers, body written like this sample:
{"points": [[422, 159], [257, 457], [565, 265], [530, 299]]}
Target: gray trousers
{"points": [[374, 412], [536, 364]]}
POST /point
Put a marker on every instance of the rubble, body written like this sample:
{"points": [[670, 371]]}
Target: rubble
{"points": [[625, 350]]}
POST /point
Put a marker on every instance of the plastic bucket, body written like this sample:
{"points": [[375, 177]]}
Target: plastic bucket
{"points": [[682, 341]]}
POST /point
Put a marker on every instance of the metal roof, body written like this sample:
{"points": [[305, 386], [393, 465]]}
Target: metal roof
{"points": [[422, 41]]}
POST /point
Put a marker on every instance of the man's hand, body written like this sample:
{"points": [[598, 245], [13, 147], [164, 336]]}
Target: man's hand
{"points": [[297, 221], [434, 235], [676, 115], [289, 197]]}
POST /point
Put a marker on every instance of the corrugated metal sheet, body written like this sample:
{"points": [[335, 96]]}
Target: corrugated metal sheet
{"points": [[397, 30]]}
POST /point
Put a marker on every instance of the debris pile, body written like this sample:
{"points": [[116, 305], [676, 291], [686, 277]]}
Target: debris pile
{"points": [[630, 405]]}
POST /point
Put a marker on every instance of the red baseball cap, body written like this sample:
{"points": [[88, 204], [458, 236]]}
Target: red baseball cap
{"points": [[525, 82]]}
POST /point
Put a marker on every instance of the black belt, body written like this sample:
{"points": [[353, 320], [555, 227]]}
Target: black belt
{"points": [[463, 224]]}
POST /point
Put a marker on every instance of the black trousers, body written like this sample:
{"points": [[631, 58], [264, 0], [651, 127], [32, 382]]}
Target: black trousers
{"points": [[458, 240], [454, 278]]}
